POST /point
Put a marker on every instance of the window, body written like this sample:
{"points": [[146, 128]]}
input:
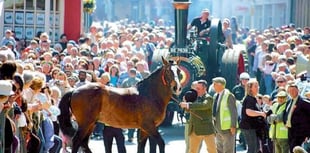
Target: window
{"points": [[28, 17]]}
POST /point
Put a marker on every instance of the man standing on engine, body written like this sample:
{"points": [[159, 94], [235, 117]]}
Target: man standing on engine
{"points": [[202, 23]]}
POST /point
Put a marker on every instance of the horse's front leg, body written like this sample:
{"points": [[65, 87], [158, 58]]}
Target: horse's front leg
{"points": [[141, 141]]}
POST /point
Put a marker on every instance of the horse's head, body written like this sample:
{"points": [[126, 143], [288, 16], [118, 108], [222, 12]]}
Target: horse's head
{"points": [[170, 76]]}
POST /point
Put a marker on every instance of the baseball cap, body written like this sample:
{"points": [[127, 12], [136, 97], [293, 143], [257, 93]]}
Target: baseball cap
{"points": [[244, 75], [6, 88], [282, 94]]}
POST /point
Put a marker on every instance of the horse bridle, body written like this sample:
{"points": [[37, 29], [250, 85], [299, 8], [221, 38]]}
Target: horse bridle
{"points": [[163, 75]]}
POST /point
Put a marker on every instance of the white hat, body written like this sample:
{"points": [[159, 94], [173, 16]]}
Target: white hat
{"points": [[6, 88], [244, 75]]}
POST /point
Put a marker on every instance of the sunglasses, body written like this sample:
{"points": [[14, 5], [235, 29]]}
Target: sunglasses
{"points": [[280, 81]]}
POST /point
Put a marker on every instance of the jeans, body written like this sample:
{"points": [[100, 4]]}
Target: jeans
{"points": [[98, 129], [251, 139], [268, 80], [57, 145], [130, 133]]}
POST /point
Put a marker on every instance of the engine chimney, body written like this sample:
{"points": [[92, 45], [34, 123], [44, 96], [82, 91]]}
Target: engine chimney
{"points": [[180, 15]]}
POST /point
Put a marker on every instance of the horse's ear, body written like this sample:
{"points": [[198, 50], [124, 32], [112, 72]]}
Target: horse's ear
{"points": [[165, 62]]}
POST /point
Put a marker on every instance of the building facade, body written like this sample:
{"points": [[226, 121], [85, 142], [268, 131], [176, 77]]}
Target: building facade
{"points": [[29, 17], [258, 14]]}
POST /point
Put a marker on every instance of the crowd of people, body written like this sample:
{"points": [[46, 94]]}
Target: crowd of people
{"points": [[35, 76], [271, 102]]}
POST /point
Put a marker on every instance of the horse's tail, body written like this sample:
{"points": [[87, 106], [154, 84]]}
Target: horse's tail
{"points": [[64, 118]]}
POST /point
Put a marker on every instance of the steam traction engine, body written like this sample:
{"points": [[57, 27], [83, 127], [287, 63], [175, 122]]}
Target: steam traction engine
{"points": [[201, 57]]}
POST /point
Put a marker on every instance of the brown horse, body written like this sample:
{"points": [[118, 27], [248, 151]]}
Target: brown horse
{"points": [[142, 107]]}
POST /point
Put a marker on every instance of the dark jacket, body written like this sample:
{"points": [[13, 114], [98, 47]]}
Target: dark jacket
{"points": [[300, 120], [200, 120]]}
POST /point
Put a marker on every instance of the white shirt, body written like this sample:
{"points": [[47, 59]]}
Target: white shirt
{"points": [[289, 117]]}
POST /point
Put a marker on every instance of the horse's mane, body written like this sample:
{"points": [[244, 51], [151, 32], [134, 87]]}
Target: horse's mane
{"points": [[145, 84]]}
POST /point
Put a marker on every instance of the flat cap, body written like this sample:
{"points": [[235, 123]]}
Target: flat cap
{"points": [[292, 84], [220, 80]]}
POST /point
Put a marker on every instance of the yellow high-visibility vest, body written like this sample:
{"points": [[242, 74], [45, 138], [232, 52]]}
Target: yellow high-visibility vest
{"points": [[278, 129], [225, 116]]}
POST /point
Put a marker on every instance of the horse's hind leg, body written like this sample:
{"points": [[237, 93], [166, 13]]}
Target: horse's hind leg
{"points": [[160, 141], [142, 141], [76, 141], [85, 142], [153, 132], [81, 139]]}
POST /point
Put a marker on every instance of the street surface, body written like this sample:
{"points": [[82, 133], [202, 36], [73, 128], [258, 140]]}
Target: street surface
{"points": [[173, 137]]}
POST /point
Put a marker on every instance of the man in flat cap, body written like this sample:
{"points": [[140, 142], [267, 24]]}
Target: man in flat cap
{"points": [[278, 132], [296, 117], [224, 116]]}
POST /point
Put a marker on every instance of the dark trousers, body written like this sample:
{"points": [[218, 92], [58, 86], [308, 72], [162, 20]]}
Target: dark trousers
{"points": [[57, 145], [56, 127], [34, 144], [251, 140], [108, 134], [260, 78], [294, 140]]}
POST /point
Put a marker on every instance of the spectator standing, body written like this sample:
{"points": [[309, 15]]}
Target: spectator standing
{"points": [[234, 29], [63, 41], [269, 67], [239, 93], [239, 90], [82, 78], [258, 65], [8, 38], [6, 137], [278, 132], [225, 116], [114, 75], [131, 81], [281, 82], [227, 33], [249, 116], [296, 117], [251, 47]]}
